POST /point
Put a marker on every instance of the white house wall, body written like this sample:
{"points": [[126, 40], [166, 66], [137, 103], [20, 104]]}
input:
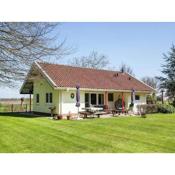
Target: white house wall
{"points": [[68, 103], [41, 87], [137, 102], [64, 103]]}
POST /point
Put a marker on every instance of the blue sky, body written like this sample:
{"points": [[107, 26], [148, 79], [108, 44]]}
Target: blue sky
{"points": [[139, 45]]}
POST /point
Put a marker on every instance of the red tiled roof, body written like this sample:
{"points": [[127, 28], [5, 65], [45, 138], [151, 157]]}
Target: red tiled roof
{"points": [[69, 76]]}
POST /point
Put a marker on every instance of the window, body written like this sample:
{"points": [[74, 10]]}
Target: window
{"points": [[137, 97], [100, 99], [37, 98], [86, 100], [93, 99], [48, 97], [110, 97]]}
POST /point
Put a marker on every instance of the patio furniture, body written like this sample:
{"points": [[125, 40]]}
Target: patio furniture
{"points": [[91, 111], [86, 113], [119, 111], [100, 113], [107, 109]]}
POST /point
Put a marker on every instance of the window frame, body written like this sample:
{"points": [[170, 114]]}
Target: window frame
{"points": [[49, 98], [87, 101], [137, 99], [95, 98], [102, 99], [111, 96], [37, 98]]}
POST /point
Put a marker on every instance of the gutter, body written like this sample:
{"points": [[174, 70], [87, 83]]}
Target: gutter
{"points": [[141, 82], [90, 89]]}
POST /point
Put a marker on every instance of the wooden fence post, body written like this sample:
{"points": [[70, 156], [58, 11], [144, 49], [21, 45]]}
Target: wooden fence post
{"points": [[12, 107], [30, 103]]}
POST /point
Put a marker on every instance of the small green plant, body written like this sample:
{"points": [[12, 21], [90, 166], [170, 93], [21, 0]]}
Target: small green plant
{"points": [[155, 108], [166, 108], [147, 108]]}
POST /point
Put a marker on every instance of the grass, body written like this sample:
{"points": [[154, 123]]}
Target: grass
{"points": [[19, 133]]}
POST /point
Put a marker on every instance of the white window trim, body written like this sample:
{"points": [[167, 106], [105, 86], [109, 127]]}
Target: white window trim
{"points": [[49, 98], [113, 97], [36, 98], [103, 98], [97, 102], [139, 97]]}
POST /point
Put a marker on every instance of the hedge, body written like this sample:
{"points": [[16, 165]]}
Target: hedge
{"points": [[155, 108]]}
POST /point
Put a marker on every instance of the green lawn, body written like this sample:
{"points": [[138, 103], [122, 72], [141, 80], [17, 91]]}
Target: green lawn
{"points": [[156, 133]]}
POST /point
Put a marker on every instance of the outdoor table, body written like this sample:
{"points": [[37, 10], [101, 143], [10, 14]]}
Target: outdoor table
{"points": [[92, 111]]}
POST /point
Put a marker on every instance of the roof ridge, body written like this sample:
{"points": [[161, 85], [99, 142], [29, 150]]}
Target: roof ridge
{"points": [[72, 66]]}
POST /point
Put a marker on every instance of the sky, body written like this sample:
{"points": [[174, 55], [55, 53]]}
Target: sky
{"points": [[139, 45]]}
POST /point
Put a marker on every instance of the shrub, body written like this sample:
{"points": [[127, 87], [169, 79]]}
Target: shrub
{"points": [[151, 99], [147, 108], [173, 103], [166, 108], [154, 108]]}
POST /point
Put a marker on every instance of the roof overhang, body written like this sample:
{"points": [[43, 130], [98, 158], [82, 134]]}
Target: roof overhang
{"points": [[27, 86], [101, 90], [34, 73]]}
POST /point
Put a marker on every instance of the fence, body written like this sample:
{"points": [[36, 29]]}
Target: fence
{"points": [[14, 108]]}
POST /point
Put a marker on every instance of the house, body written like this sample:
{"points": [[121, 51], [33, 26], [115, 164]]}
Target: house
{"points": [[54, 85]]}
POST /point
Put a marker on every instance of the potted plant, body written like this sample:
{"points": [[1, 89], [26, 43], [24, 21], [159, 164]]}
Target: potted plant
{"points": [[59, 117], [69, 116]]}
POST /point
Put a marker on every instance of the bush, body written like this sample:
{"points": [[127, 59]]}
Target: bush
{"points": [[173, 103], [155, 108], [151, 99], [147, 108], [166, 108]]}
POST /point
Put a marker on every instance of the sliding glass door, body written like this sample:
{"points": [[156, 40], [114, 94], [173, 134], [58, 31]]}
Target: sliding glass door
{"points": [[94, 99]]}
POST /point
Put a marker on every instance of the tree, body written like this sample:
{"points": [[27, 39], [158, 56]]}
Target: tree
{"points": [[167, 81], [126, 68], [93, 60], [23, 43], [151, 81]]}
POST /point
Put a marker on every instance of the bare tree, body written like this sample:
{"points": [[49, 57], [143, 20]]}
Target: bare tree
{"points": [[151, 81], [126, 68], [93, 60], [23, 43]]}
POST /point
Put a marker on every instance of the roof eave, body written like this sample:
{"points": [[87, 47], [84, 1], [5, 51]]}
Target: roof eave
{"points": [[45, 75], [152, 89], [95, 89]]}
